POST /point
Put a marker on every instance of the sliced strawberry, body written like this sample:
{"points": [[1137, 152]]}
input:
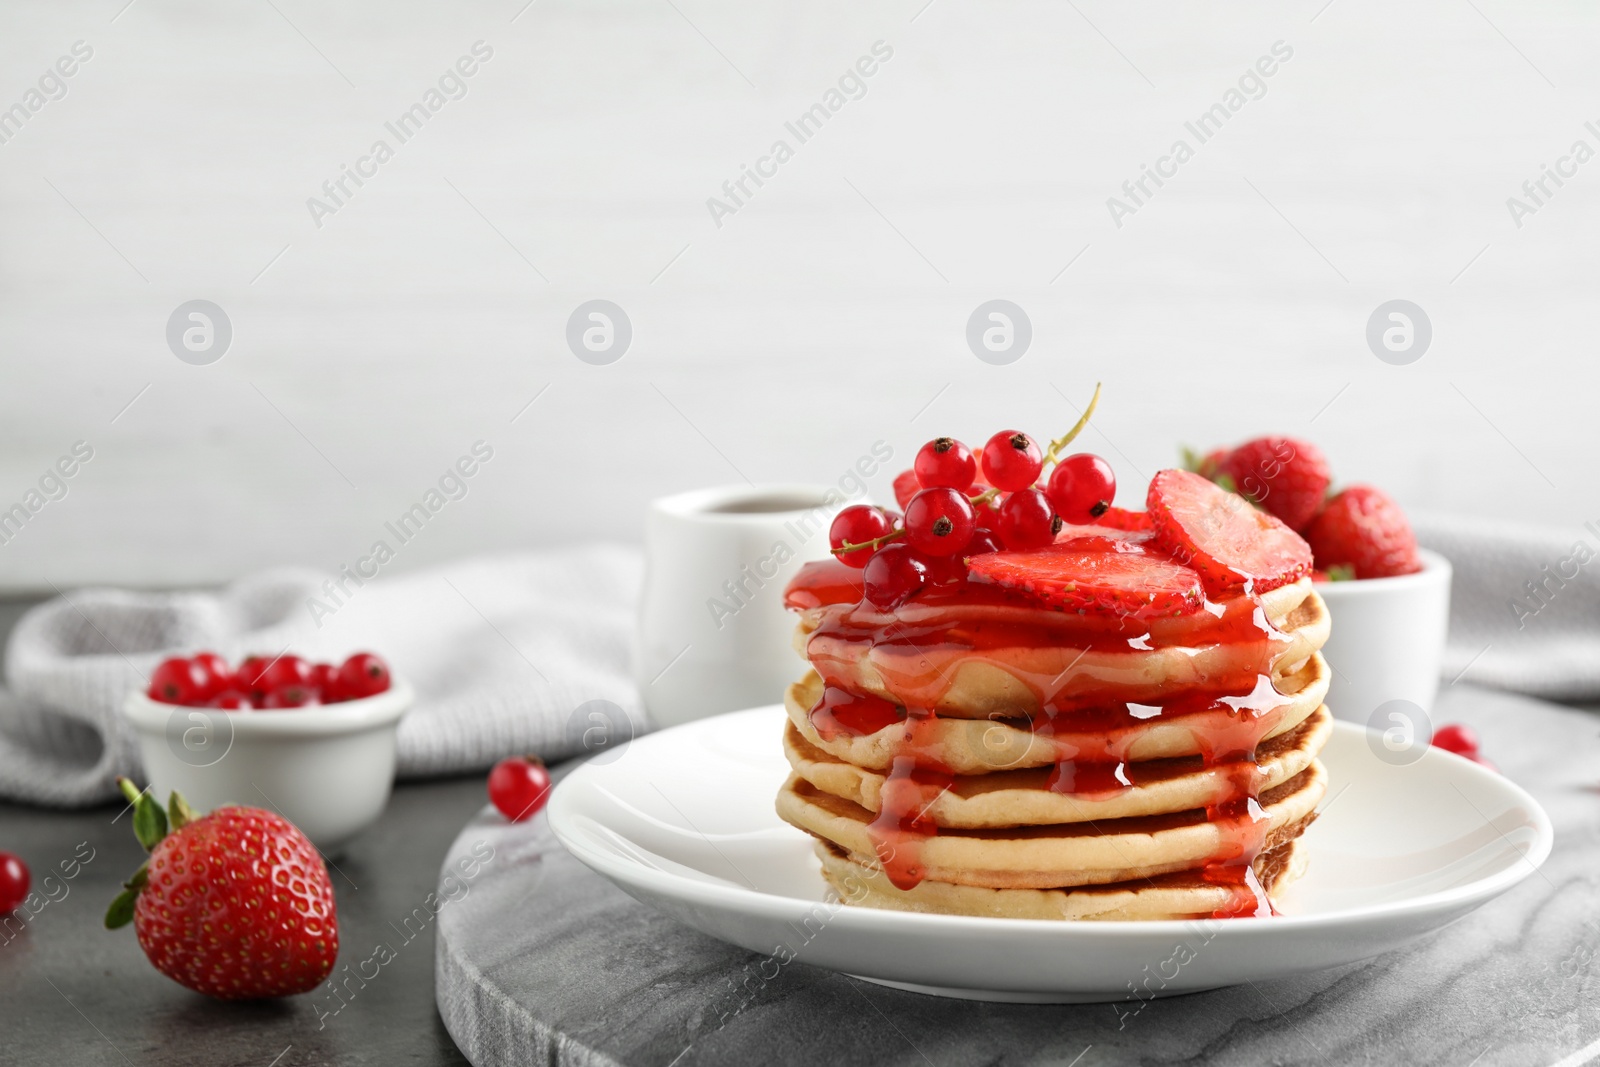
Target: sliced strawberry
{"points": [[1219, 534], [1102, 538], [905, 487], [1123, 519], [1087, 578]]}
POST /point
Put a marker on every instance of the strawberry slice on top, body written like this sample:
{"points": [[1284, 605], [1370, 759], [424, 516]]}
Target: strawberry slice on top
{"points": [[1095, 575], [1221, 535]]}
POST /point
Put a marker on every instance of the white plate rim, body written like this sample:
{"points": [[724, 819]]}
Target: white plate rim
{"points": [[727, 896]]}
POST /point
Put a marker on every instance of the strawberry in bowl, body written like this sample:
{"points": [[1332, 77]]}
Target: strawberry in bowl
{"points": [[1390, 600], [314, 742]]}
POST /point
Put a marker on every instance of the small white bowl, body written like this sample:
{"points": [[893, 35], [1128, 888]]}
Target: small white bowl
{"points": [[327, 768], [1388, 638]]}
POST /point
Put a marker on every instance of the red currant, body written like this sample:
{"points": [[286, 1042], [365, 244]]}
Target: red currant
{"points": [[247, 678], [984, 540], [945, 463], [1011, 461], [857, 525], [285, 672], [230, 700], [179, 681], [905, 487], [290, 696], [1462, 740], [363, 675], [519, 786], [219, 675], [14, 882], [939, 522], [1027, 521], [1082, 487], [325, 680], [893, 575]]}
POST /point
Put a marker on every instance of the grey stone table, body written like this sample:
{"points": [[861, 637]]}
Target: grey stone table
{"points": [[541, 961], [73, 994]]}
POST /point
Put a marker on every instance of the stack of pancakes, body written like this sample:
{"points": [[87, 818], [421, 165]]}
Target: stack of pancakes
{"points": [[982, 755]]}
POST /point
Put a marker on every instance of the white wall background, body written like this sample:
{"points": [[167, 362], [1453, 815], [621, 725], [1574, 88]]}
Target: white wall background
{"points": [[828, 312]]}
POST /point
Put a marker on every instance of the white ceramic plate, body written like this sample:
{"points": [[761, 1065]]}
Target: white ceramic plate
{"points": [[683, 820]]}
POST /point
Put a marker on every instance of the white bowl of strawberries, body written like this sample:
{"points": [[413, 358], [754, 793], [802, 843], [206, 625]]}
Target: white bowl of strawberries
{"points": [[1389, 599], [314, 742]]}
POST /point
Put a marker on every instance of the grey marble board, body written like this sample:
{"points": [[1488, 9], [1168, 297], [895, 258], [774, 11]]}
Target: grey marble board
{"points": [[539, 960]]}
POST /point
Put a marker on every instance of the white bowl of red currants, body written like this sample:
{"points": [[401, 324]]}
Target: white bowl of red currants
{"points": [[314, 742]]}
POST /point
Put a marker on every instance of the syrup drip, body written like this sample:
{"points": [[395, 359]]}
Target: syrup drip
{"points": [[915, 781], [916, 649], [841, 713]]}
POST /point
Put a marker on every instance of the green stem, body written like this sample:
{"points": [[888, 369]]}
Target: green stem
{"points": [[874, 544], [1054, 452]]}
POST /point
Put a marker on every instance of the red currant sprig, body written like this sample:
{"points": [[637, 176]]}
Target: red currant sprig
{"points": [[945, 520]]}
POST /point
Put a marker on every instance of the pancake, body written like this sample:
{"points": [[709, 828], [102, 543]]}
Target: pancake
{"points": [[974, 752], [1063, 855], [978, 746], [1172, 896], [1025, 797], [986, 659]]}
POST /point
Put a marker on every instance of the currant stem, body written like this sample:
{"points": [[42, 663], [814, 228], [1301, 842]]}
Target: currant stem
{"points": [[1054, 452], [983, 497], [874, 544]]}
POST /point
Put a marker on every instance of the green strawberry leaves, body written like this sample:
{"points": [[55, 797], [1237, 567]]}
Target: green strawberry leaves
{"points": [[151, 824], [180, 813], [121, 911], [149, 821]]}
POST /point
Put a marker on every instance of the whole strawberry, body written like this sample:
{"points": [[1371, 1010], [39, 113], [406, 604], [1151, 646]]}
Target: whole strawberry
{"points": [[1283, 476], [235, 904], [1363, 529]]}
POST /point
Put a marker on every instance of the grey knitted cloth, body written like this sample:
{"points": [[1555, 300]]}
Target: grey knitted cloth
{"points": [[502, 651], [1525, 605]]}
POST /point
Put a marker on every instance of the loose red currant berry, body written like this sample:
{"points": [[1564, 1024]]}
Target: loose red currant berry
{"points": [[178, 681], [939, 522], [1462, 740], [219, 675], [945, 463], [325, 680], [230, 700], [1082, 487], [856, 525], [893, 575], [363, 675], [14, 882], [1027, 521], [1011, 461], [519, 786]]}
